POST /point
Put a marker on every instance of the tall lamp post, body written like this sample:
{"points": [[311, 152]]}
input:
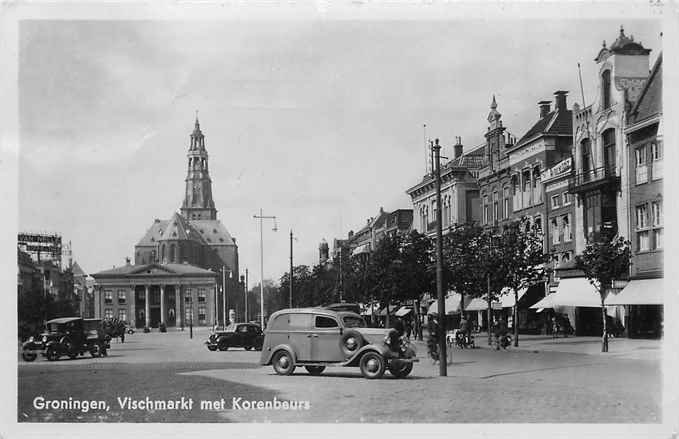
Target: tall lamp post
{"points": [[443, 357], [261, 219]]}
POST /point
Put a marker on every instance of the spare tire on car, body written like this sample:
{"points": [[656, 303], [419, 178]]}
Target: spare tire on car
{"points": [[350, 342]]}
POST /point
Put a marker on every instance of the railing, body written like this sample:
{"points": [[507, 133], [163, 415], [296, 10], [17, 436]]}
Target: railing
{"points": [[592, 176]]}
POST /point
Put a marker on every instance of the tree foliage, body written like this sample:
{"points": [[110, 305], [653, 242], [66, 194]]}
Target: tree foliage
{"points": [[604, 260]]}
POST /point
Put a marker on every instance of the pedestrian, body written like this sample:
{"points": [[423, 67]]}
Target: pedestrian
{"points": [[499, 331], [465, 329], [432, 340], [409, 328], [555, 327]]}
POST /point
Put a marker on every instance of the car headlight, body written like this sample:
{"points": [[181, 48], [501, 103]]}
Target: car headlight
{"points": [[30, 338], [350, 343], [44, 339]]}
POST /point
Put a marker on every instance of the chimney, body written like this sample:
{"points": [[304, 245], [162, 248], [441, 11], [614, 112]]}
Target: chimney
{"points": [[544, 108], [560, 100], [457, 148]]}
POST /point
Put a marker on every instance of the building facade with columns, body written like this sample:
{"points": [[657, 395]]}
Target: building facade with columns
{"points": [[185, 268]]}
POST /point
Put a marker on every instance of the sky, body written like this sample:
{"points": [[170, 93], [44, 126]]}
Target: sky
{"points": [[319, 123]]}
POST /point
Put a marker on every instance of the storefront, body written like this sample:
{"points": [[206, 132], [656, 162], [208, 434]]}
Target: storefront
{"points": [[643, 302]]}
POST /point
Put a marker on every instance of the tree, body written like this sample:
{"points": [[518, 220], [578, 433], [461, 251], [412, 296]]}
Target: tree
{"points": [[461, 255], [523, 261], [604, 260]]}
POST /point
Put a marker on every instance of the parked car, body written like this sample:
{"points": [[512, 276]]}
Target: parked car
{"points": [[316, 338], [68, 336], [238, 335]]}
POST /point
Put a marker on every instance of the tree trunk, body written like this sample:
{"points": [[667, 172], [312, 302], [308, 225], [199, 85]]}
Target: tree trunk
{"points": [[490, 340], [515, 320], [490, 323], [604, 334]]}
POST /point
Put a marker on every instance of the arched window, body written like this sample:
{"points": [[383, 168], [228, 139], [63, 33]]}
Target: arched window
{"points": [[586, 155], [606, 89], [608, 141]]}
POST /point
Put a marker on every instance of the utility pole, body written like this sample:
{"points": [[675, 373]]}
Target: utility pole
{"points": [[247, 316], [261, 218], [341, 280], [291, 276], [443, 357], [224, 296]]}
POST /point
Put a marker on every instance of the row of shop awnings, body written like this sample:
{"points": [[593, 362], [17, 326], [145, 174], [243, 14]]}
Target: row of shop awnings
{"points": [[365, 248], [452, 302], [394, 310], [579, 292]]}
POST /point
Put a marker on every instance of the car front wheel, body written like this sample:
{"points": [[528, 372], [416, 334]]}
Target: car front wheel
{"points": [[283, 363], [223, 347], [315, 370], [95, 351], [52, 354], [400, 369], [372, 365], [28, 356], [247, 348]]}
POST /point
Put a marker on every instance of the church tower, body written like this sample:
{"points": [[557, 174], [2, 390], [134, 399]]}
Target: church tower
{"points": [[198, 203]]}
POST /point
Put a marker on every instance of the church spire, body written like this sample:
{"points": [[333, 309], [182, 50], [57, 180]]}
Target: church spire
{"points": [[198, 202]]}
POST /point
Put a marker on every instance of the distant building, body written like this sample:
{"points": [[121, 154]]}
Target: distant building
{"points": [[459, 192], [179, 263]]}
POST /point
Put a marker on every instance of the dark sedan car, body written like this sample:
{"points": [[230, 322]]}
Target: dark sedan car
{"points": [[237, 335]]}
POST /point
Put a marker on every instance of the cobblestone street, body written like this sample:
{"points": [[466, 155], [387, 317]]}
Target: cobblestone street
{"points": [[544, 381]]}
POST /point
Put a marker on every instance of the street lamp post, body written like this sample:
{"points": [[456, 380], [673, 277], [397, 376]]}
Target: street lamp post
{"points": [[261, 218], [443, 358], [247, 316], [291, 276], [224, 296]]}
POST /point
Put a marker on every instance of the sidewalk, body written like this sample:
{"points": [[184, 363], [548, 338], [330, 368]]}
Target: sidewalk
{"points": [[642, 349]]}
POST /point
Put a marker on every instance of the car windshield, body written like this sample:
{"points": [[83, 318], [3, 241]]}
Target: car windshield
{"points": [[353, 322]]}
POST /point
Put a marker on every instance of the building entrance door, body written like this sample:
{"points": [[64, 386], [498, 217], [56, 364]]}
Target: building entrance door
{"points": [[155, 317]]}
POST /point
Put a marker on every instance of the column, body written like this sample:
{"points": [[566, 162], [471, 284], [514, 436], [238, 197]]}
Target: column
{"points": [[132, 316], [162, 304], [147, 307], [98, 291], [178, 305]]}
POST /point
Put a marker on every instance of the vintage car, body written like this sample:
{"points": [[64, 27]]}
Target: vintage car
{"points": [[318, 337], [68, 336], [236, 335]]}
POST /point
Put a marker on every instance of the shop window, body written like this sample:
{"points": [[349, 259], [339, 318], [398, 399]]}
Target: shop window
{"points": [[640, 165]]}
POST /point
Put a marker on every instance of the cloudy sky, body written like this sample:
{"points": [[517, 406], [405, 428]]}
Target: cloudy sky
{"points": [[318, 123]]}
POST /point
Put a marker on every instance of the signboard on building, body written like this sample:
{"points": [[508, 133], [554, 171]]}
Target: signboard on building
{"points": [[561, 168], [41, 246]]}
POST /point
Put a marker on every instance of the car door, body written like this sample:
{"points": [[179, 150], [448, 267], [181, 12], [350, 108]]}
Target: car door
{"points": [[325, 339], [240, 336], [299, 334]]}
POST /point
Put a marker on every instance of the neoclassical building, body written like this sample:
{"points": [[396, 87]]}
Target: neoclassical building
{"points": [[180, 264]]}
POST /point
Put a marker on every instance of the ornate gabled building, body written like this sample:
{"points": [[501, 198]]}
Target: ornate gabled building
{"points": [[179, 263], [459, 192]]}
